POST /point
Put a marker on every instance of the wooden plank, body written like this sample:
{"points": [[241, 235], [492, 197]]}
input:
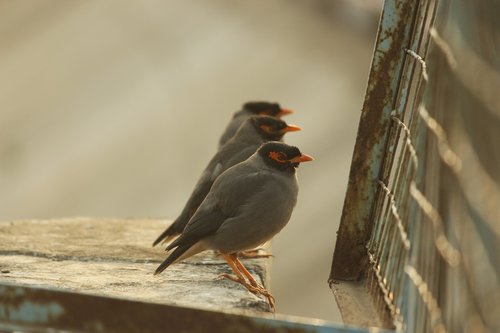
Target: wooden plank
{"points": [[114, 258]]}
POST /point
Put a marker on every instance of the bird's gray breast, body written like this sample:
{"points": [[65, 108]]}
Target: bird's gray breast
{"points": [[260, 216]]}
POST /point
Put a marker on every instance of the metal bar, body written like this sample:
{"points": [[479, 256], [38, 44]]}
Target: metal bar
{"points": [[350, 257], [45, 310]]}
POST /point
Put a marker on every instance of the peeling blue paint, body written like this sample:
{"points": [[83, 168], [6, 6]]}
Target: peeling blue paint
{"points": [[26, 307], [31, 313]]}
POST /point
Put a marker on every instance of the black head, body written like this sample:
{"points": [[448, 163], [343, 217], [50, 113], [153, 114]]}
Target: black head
{"points": [[266, 109], [281, 156], [271, 128]]}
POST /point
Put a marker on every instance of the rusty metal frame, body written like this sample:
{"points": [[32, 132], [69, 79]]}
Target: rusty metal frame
{"points": [[394, 35], [27, 308]]}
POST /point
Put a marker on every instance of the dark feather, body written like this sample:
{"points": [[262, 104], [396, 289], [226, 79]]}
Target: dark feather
{"points": [[207, 223], [231, 154], [172, 257], [201, 225], [200, 192]]}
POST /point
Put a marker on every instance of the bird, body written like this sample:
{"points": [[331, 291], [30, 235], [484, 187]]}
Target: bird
{"points": [[247, 205], [251, 109], [254, 131]]}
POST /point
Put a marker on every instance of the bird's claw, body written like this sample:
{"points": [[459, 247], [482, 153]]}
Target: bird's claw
{"points": [[254, 289], [230, 277], [271, 301], [264, 292]]}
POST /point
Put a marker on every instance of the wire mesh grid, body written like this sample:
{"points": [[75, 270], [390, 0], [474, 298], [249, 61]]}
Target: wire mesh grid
{"points": [[433, 247]]}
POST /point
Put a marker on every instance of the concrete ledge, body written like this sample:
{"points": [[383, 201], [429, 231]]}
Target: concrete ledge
{"points": [[113, 257], [355, 304]]}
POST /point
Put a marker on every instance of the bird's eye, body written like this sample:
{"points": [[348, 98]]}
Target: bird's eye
{"points": [[278, 156], [266, 128]]}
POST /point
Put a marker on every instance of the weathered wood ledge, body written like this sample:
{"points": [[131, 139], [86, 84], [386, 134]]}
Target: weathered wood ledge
{"points": [[114, 257]]}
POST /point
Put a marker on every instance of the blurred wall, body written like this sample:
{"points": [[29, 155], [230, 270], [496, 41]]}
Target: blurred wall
{"points": [[114, 108]]}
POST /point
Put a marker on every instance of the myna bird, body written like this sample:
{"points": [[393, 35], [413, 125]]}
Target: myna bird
{"points": [[247, 205], [251, 109], [251, 134]]}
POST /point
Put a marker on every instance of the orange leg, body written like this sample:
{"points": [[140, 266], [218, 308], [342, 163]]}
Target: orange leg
{"points": [[243, 270], [239, 277], [263, 291], [252, 286]]}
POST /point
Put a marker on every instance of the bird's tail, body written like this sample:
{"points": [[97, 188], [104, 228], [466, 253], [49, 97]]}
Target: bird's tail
{"points": [[200, 192], [179, 251], [174, 230], [166, 235]]}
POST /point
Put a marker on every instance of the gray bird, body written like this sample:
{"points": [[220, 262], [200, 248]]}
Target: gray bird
{"points": [[247, 205], [251, 109], [251, 134]]}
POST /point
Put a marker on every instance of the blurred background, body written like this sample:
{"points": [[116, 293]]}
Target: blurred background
{"points": [[113, 108]]}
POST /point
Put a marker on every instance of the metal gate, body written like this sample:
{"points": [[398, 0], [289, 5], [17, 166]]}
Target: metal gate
{"points": [[420, 227]]}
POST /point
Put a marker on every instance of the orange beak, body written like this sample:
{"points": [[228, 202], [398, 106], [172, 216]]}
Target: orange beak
{"points": [[291, 128], [301, 158], [284, 112]]}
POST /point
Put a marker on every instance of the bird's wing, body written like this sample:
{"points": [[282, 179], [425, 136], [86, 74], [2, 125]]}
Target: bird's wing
{"points": [[230, 191], [199, 193], [227, 157], [238, 186]]}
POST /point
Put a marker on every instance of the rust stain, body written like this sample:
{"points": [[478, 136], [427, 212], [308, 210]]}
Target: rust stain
{"points": [[350, 260]]}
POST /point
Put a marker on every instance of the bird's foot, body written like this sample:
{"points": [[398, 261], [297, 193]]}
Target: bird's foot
{"points": [[254, 254], [270, 298], [254, 288], [231, 277]]}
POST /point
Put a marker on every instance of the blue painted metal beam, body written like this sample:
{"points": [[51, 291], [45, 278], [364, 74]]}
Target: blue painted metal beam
{"points": [[45, 310]]}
